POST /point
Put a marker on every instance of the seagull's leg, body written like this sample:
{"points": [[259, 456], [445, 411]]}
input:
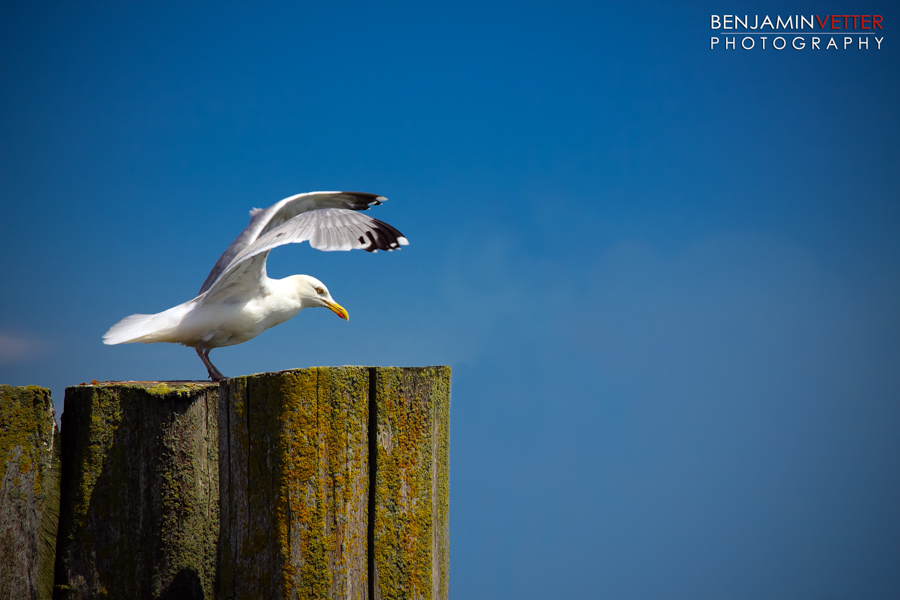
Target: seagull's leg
{"points": [[214, 373]]}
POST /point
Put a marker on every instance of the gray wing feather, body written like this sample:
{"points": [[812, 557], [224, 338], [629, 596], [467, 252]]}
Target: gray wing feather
{"points": [[325, 229], [264, 220], [240, 278], [328, 229]]}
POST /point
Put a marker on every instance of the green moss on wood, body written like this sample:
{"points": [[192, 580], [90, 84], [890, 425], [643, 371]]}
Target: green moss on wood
{"points": [[29, 492], [295, 484], [343, 409], [410, 527], [296, 442], [140, 517], [26, 420]]}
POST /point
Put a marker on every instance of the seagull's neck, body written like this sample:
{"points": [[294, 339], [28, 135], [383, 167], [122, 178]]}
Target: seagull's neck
{"points": [[281, 294]]}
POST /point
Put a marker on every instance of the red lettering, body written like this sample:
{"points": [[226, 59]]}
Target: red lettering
{"points": [[843, 21]]}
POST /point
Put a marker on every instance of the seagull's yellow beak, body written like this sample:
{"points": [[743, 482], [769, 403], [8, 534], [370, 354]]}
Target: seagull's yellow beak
{"points": [[337, 309]]}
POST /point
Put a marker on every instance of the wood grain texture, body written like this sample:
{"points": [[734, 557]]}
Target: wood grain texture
{"points": [[330, 482], [29, 492], [294, 483], [410, 528], [139, 511]]}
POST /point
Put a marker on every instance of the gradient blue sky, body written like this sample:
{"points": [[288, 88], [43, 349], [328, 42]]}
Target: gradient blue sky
{"points": [[667, 278]]}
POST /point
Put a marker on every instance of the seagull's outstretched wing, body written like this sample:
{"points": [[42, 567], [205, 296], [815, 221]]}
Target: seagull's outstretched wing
{"points": [[331, 231], [324, 229]]}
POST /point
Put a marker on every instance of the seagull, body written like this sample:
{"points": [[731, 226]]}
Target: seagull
{"points": [[238, 301]]}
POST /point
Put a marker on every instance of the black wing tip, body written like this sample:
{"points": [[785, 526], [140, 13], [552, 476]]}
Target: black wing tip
{"points": [[363, 200], [382, 237]]}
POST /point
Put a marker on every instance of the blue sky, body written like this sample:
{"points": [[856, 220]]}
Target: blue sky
{"points": [[667, 278]]}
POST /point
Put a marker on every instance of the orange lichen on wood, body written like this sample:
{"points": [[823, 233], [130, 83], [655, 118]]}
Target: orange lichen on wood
{"points": [[297, 444], [411, 496]]}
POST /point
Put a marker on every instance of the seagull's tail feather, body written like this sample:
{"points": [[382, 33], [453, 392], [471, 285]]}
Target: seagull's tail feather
{"points": [[146, 328]]}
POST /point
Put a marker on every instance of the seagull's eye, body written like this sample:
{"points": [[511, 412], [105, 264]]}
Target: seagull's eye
{"points": [[320, 290]]}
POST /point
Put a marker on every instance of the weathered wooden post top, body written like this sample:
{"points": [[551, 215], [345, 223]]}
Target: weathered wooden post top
{"points": [[29, 492], [333, 483], [328, 482]]}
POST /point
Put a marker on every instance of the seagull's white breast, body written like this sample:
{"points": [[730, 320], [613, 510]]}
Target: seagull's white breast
{"points": [[241, 317]]}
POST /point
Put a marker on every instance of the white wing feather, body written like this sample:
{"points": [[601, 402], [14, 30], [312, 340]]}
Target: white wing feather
{"points": [[325, 229], [328, 220], [265, 220]]}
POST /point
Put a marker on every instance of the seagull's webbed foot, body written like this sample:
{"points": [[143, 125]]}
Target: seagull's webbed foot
{"points": [[214, 373]]}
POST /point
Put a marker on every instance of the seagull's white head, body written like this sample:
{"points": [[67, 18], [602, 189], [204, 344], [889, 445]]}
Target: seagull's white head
{"points": [[313, 292]]}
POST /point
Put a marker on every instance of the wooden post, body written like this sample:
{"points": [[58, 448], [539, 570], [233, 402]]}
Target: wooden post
{"points": [[139, 513], [331, 483], [410, 511], [294, 481], [334, 484], [29, 492]]}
